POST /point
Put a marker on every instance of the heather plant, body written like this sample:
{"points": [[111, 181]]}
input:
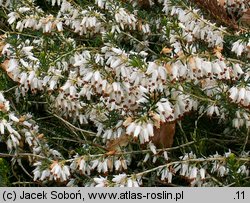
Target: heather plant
{"points": [[112, 93]]}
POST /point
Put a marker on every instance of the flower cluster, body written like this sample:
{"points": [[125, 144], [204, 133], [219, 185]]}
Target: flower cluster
{"points": [[194, 26], [114, 73], [240, 47], [120, 180], [20, 132]]}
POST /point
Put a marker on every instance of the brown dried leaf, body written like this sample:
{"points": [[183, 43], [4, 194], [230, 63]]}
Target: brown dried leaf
{"points": [[5, 66], [245, 19], [164, 136], [116, 144], [166, 50]]}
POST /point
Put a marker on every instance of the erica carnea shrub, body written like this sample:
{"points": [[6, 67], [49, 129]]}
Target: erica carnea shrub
{"points": [[125, 93]]}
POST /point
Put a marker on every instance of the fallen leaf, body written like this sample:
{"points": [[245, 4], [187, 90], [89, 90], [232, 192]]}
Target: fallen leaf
{"points": [[116, 144], [245, 19], [164, 136], [166, 50]]}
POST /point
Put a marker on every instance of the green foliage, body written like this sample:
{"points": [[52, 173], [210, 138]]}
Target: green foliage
{"points": [[4, 173]]}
